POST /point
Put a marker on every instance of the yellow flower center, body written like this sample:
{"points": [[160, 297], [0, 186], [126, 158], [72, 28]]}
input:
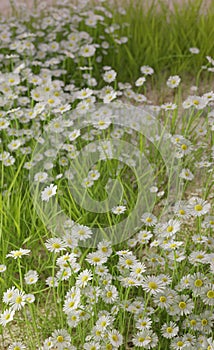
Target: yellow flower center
{"points": [[128, 262], [84, 278], [115, 337], [109, 347], [200, 256], [56, 245], [210, 294], [18, 300], [180, 343], [181, 212], [60, 339], [148, 219], [18, 253], [104, 249], [81, 232], [182, 305], [196, 102], [198, 283], [96, 259], [198, 207], [153, 285], [141, 339], [204, 322], [169, 329]]}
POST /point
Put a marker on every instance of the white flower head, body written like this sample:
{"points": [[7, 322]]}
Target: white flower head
{"points": [[49, 192]]}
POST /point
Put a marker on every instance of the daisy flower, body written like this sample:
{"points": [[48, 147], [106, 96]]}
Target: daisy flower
{"points": [[205, 322], [168, 106], [30, 298], [96, 258], [149, 219], [74, 135], [146, 70], [153, 284], [173, 81], [178, 343], [109, 76], [109, 97], [198, 256], [91, 345], [87, 182], [197, 282], [110, 294], [146, 339], [207, 294], [186, 174], [183, 305], [165, 299], [83, 278], [137, 269], [18, 253], [3, 268], [143, 237], [84, 93], [208, 222], [169, 330], [194, 50], [18, 301], [40, 177], [144, 323], [181, 210], [118, 210], [171, 228], [7, 316], [73, 318], [60, 339], [140, 81], [4, 123], [71, 304], [198, 206], [82, 232], [105, 248], [55, 245], [17, 346], [48, 192], [52, 282], [102, 123], [93, 174], [115, 338], [31, 277]]}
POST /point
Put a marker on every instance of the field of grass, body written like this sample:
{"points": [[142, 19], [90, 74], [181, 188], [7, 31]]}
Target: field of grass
{"points": [[106, 158]]}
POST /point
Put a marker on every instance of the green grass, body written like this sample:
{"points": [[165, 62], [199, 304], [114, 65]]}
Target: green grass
{"points": [[161, 37]]}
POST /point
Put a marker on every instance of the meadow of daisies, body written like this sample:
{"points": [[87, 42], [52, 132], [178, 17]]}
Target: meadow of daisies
{"points": [[106, 158]]}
